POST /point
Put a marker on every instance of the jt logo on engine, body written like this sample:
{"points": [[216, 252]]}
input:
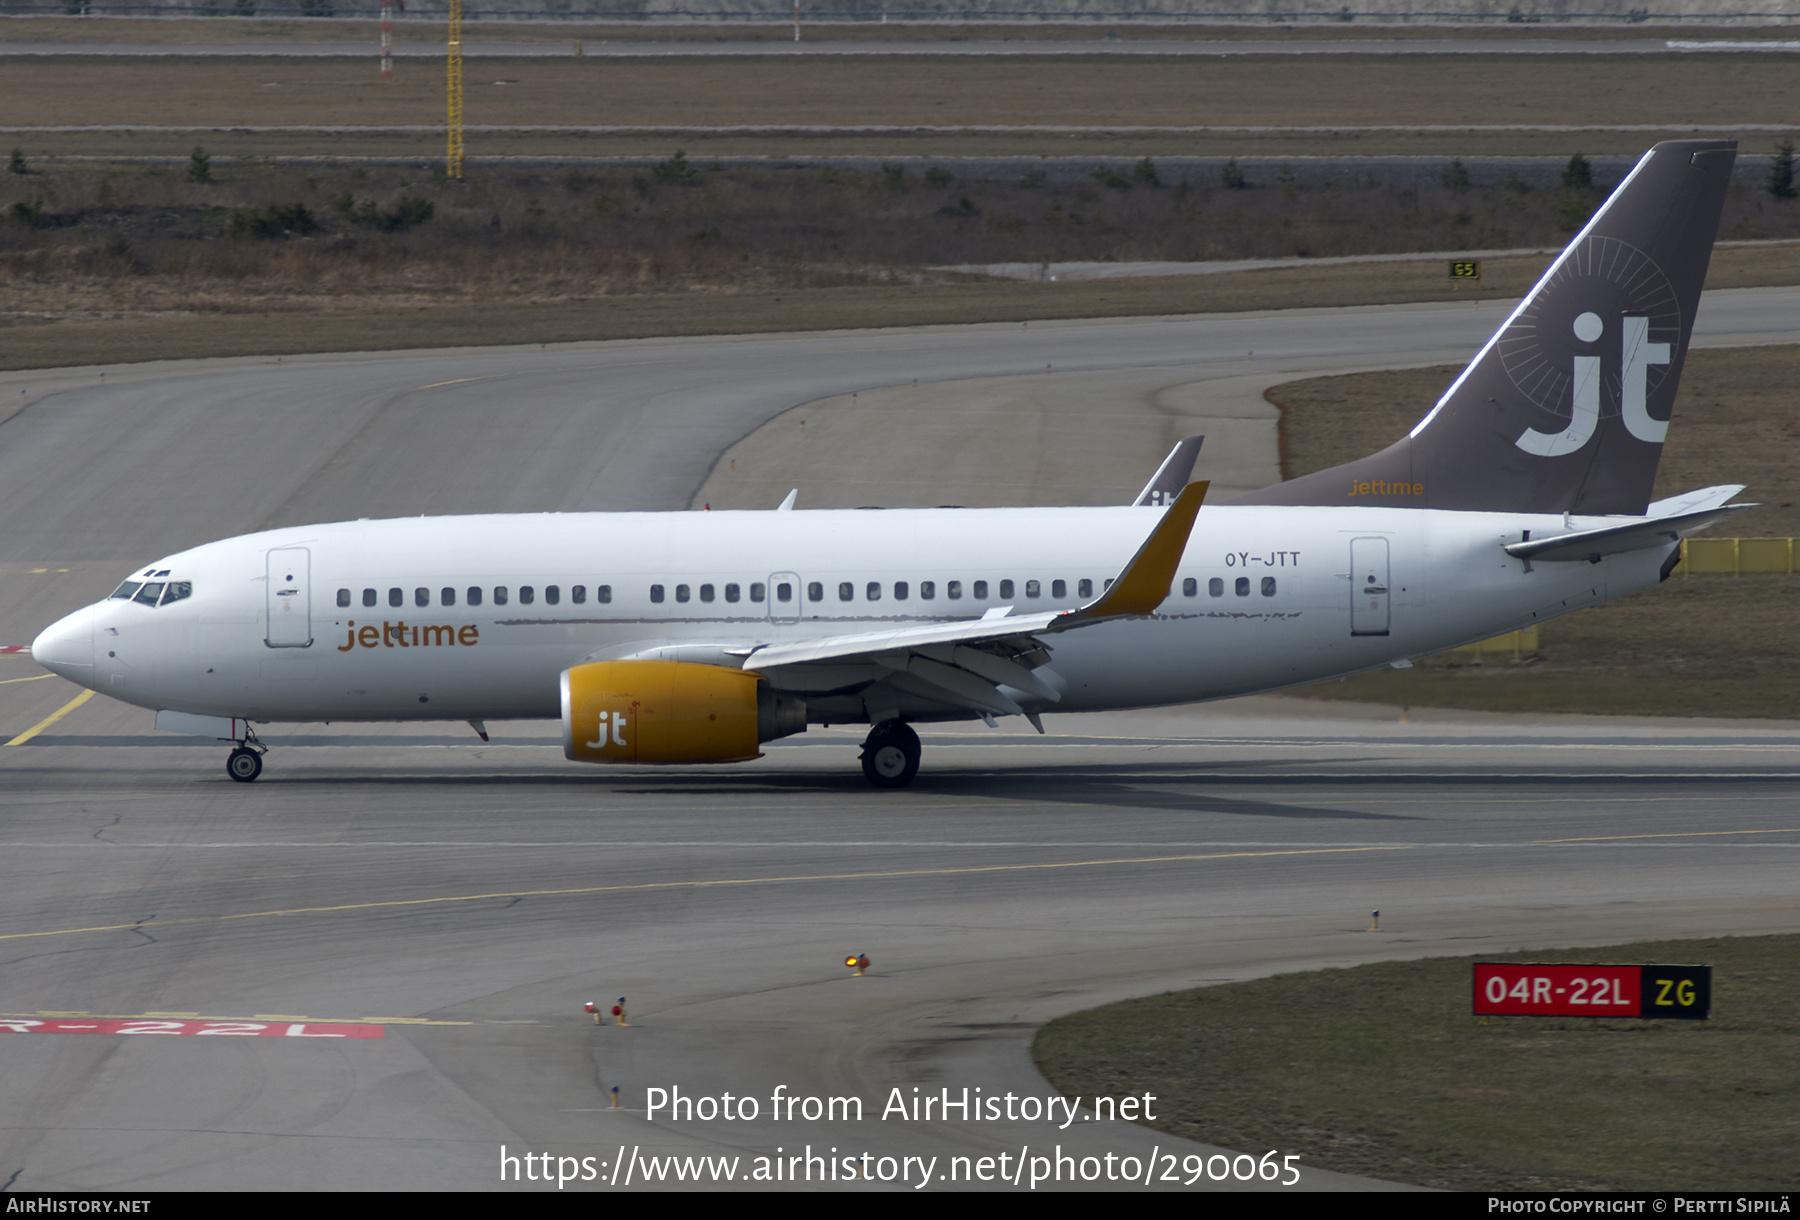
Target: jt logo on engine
{"points": [[617, 720]]}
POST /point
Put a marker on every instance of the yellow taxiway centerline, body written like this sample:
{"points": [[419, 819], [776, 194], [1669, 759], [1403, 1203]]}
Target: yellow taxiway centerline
{"points": [[52, 718]]}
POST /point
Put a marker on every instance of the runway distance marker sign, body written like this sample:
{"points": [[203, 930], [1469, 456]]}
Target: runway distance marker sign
{"points": [[1543, 989]]}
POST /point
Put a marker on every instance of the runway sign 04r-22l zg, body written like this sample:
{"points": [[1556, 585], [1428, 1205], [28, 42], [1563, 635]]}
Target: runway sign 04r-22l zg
{"points": [[1537, 989]]}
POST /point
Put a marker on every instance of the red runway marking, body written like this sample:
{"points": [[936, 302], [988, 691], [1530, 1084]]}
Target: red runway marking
{"points": [[9, 648], [217, 1029]]}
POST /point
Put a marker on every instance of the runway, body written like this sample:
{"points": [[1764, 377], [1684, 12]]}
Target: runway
{"points": [[467, 899]]}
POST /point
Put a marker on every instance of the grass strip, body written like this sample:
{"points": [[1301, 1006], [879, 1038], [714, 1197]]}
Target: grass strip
{"points": [[1381, 1070], [295, 325]]}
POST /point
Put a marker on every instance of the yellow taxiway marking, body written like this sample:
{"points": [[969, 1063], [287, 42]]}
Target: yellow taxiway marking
{"points": [[1678, 834], [52, 718], [678, 885], [33, 678]]}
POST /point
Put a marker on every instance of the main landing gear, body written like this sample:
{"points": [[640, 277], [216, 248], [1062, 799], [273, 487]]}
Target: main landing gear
{"points": [[245, 762], [890, 756]]}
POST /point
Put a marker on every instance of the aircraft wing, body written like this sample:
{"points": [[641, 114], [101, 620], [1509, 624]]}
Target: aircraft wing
{"points": [[967, 663]]}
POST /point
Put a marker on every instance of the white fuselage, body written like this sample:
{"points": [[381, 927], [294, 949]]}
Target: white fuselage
{"points": [[277, 627]]}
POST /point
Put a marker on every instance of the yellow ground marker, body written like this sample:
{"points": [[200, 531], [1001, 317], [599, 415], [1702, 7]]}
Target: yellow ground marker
{"points": [[33, 678], [52, 718]]}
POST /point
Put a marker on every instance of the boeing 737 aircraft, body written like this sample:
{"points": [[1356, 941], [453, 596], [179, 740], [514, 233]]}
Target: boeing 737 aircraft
{"points": [[695, 637]]}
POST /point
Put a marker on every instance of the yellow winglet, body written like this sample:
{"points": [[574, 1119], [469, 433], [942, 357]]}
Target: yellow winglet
{"points": [[1146, 580]]}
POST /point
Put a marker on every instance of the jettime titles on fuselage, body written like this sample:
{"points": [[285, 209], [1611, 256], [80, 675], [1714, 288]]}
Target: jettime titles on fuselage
{"points": [[400, 635]]}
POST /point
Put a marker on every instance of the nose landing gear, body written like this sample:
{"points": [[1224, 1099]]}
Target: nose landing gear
{"points": [[890, 754], [245, 763]]}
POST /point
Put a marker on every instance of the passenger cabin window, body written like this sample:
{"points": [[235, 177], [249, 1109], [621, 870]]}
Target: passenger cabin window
{"points": [[900, 590], [368, 597], [578, 594], [928, 589], [1034, 588], [784, 592], [814, 592], [343, 597], [981, 590], [474, 592], [874, 590], [1085, 588], [421, 597], [446, 597], [846, 591], [1243, 586], [656, 593], [527, 595], [733, 593], [706, 593], [603, 594], [1059, 589], [1006, 588], [758, 592], [1190, 587], [953, 589], [499, 595], [1215, 587], [552, 595], [682, 593], [396, 597], [1268, 586]]}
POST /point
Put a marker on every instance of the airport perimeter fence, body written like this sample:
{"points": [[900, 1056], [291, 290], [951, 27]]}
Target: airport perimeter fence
{"points": [[1737, 557], [946, 12]]}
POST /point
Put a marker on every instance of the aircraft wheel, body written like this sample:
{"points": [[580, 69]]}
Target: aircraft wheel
{"points": [[243, 765], [890, 756]]}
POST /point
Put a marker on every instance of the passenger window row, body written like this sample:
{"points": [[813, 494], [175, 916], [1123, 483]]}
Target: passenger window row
{"points": [[475, 594], [1216, 587], [900, 590]]}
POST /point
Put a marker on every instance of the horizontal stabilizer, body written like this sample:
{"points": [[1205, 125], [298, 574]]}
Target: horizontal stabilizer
{"points": [[1594, 545]]}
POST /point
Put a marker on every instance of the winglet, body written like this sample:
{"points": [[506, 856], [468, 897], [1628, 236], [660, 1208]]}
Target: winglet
{"points": [[1144, 583], [1172, 475], [787, 504]]}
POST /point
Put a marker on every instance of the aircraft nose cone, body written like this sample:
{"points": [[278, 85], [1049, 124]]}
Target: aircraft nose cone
{"points": [[66, 647]]}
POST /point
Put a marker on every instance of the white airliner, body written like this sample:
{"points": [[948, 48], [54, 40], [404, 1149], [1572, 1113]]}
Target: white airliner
{"points": [[694, 637]]}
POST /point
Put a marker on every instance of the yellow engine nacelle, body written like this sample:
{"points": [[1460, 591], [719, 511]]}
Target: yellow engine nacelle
{"points": [[671, 712]]}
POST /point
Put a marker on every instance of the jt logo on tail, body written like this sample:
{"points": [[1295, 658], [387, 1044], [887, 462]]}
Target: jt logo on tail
{"points": [[1566, 407]]}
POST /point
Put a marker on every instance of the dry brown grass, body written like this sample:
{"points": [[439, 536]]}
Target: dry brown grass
{"points": [[1099, 91], [121, 261]]}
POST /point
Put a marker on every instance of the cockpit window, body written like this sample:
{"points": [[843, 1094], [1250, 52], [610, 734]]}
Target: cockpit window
{"points": [[128, 588], [177, 590], [148, 594]]}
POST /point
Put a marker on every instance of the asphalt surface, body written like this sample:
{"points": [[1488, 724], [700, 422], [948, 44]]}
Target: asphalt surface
{"points": [[467, 899]]}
